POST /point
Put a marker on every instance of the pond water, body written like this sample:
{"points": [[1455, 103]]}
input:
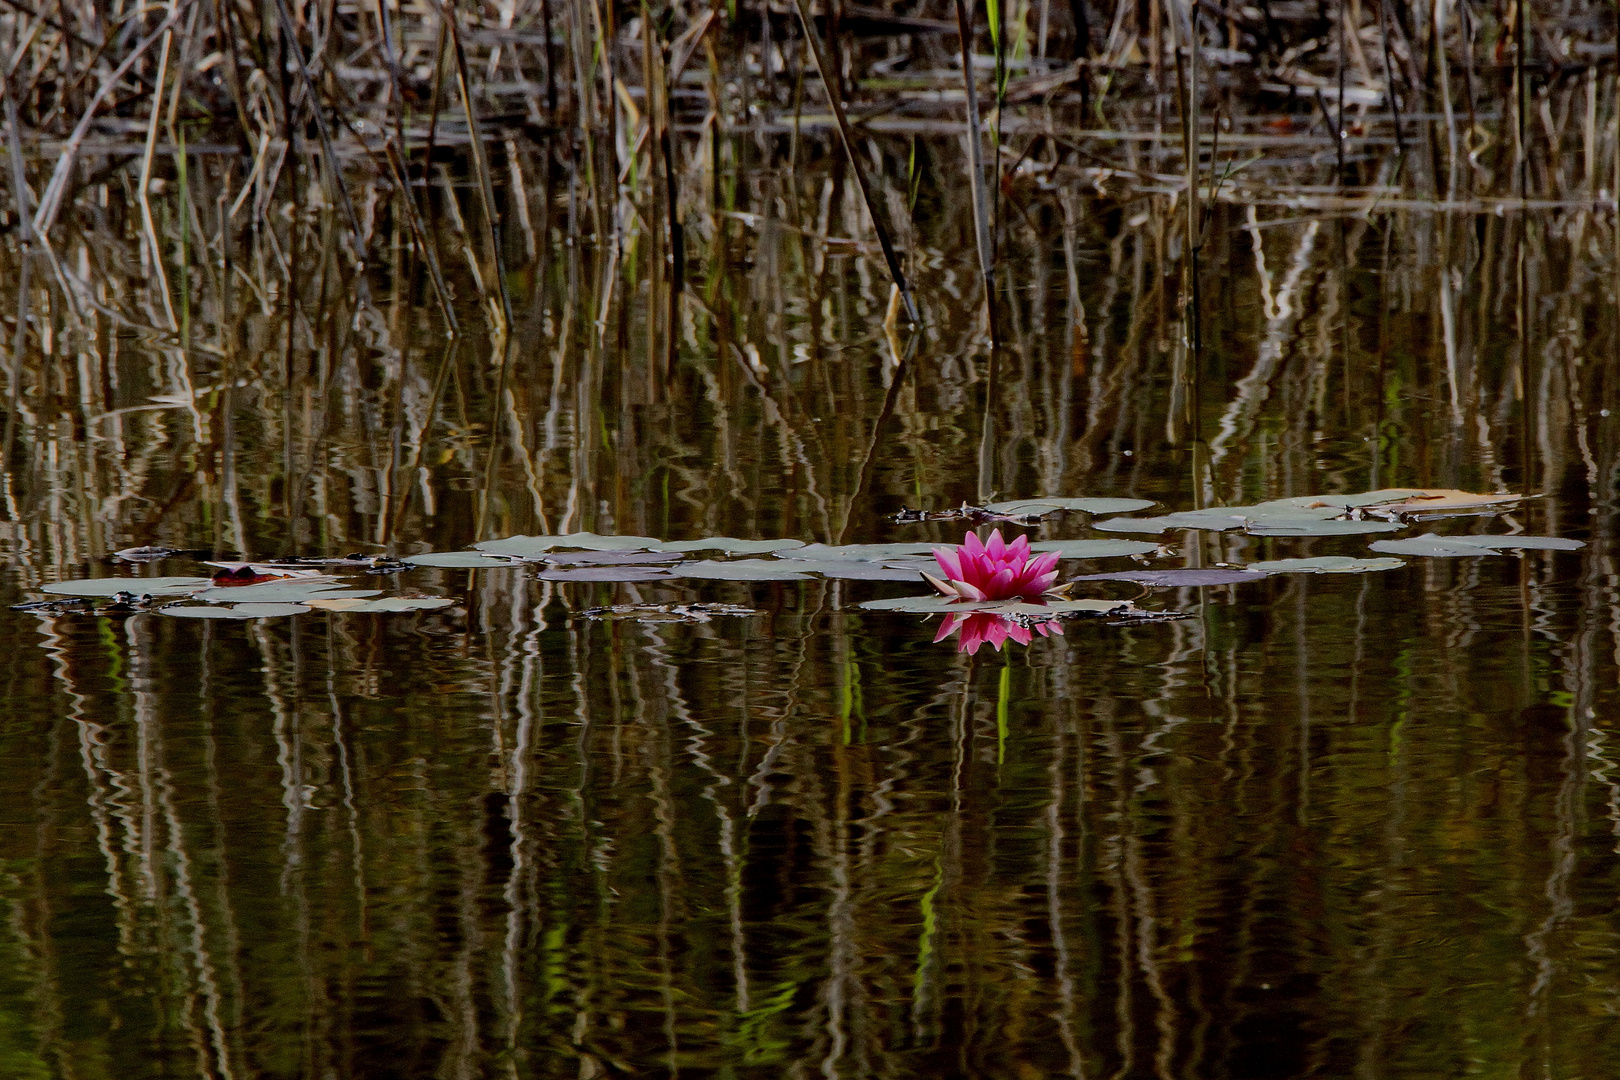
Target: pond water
{"points": [[1337, 825]]}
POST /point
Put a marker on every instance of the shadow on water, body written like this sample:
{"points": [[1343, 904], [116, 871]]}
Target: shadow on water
{"points": [[1339, 825]]}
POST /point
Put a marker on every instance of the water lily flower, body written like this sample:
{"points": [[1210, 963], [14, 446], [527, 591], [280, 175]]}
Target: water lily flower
{"points": [[989, 571], [994, 570]]}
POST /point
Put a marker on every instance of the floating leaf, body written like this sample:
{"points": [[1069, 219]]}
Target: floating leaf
{"points": [[1296, 526], [237, 611], [608, 573], [1452, 547], [112, 586], [144, 554], [744, 570], [864, 552], [279, 592], [1351, 501], [386, 604], [1090, 506], [1326, 564], [529, 546], [857, 569], [937, 604], [1094, 549], [1179, 577], [608, 558], [926, 604], [1191, 519], [731, 545], [461, 560], [1437, 501]]}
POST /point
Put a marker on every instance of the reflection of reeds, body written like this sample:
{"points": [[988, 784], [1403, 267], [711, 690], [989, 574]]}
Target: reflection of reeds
{"points": [[699, 829]]}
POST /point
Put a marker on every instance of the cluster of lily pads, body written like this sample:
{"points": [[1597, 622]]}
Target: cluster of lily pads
{"points": [[295, 586]]}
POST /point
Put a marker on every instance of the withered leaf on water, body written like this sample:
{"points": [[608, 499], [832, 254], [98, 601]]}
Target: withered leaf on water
{"points": [[663, 613]]}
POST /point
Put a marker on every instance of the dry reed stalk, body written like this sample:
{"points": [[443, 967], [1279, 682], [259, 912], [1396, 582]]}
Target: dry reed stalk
{"points": [[835, 102]]}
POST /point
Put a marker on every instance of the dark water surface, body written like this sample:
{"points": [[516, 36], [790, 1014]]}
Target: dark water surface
{"points": [[1327, 826]]}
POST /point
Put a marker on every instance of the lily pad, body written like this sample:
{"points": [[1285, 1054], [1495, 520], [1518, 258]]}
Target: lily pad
{"points": [[1302, 526], [864, 552], [1094, 549], [936, 604], [608, 558], [1178, 577], [238, 611], [1453, 547], [1191, 519], [280, 592], [744, 570], [858, 569], [1326, 564], [386, 604], [608, 573], [1353, 500], [112, 586], [1090, 506], [461, 560], [731, 546], [528, 546], [1440, 501]]}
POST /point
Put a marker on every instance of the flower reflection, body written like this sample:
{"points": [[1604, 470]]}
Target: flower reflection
{"points": [[979, 627], [995, 570]]}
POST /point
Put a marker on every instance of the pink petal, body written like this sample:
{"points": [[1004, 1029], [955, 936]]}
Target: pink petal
{"points": [[948, 562], [996, 548], [944, 589], [971, 592]]}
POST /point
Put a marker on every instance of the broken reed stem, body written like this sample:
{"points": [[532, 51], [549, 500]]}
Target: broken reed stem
{"points": [[976, 182], [813, 43]]}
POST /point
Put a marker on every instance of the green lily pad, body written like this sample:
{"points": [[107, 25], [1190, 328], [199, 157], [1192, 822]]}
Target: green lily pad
{"points": [[1453, 547], [1089, 506], [279, 592], [608, 573], [1094, 549], [1179, 577], [607, 558], [936, 604], [386, 604], [1300, 526], [111, 586], [863, 552], [1191, 519], [858, 569], [1326, 564], [525, 547], [742, 570], [731, 546], [239, 611], [460, 560]]}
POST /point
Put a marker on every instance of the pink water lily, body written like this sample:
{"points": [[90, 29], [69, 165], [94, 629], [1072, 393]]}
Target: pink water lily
{"points": [[995, 570]]}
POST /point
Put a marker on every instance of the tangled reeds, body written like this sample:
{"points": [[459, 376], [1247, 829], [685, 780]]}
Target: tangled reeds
{"points": [[287, 208]]}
